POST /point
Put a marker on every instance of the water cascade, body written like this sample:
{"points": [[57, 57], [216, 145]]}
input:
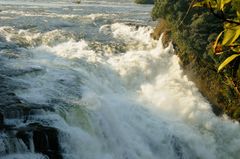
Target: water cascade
{"points": [[88, 82]]}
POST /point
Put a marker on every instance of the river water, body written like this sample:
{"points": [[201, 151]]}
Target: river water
{"points": [[116, 93]]}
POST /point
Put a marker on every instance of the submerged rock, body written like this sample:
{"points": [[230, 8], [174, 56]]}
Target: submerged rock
{"points": [[19, 131], [44, 139], [77, 2]]}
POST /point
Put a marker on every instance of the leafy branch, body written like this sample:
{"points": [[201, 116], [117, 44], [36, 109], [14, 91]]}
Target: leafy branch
{"points": [[228, 40]]}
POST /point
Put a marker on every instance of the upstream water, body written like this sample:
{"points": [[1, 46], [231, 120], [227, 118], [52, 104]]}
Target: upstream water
{"points": [[116, 93]]}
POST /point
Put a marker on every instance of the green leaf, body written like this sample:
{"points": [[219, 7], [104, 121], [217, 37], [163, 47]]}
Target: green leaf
{"points": [[199, 4], [236, 48], [228, 36], [227, 61], [238, 14], [222, 3], [206, 3], [212, 4], [231, 35], [216, 41]]}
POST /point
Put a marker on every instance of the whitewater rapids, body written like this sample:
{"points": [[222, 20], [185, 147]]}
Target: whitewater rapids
{"points": [[134, 103]]}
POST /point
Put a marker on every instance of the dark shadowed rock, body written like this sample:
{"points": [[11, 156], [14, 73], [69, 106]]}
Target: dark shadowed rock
{"points": [[1, 118], [13, 110], [44, 138]]}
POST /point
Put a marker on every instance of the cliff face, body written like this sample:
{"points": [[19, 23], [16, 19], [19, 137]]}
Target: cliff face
{"points": [[193, 31]]}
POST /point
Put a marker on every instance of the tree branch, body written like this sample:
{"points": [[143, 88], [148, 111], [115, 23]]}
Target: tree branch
{"points": [[222, 17]]}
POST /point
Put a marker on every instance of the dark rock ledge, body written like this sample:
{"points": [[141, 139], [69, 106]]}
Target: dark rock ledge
{"points": [[34, 136]]}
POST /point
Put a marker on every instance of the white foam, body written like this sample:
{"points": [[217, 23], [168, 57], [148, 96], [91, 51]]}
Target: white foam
{"points": [[127, 32], [105, 28], [136, 105], [135, 35], [33, 38], [96, 16]]}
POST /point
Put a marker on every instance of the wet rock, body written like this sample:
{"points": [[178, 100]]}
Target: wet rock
{"points": [[1, 118], [20, 72], [34, 137], [9, 99], [109, 48], [10, 54], [25, 136], [43, 135], [177, 147], [44, 138]]}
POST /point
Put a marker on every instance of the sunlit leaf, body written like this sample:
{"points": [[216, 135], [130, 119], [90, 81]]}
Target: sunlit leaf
{"points": [[238, 14], [199, 4], [216, 41], [236, 49], [212, 4], [228, 36], [222, 3], [227, 61], [228, 40], [231, 35]]}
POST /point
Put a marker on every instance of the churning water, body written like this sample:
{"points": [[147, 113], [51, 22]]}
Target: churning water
{"points": [[116, 93]]}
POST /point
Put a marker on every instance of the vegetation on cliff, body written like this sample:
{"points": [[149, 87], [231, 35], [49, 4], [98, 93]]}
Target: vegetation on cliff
{"points": [[227, 41], [144, 1], [194, 31], [77, 1]]}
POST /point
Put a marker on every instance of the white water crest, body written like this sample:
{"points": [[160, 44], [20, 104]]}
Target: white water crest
{"points": [[98, 15], [31, 37], [127, 32], [136, 36]]}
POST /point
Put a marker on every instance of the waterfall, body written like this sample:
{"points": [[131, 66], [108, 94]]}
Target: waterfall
{"points": [[83, 82]]}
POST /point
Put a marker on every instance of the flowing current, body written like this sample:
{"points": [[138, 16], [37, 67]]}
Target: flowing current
{"points": [[116, 93]]}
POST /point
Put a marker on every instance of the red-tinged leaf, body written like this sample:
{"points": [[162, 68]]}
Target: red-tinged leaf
{"points": [[217, 39]]}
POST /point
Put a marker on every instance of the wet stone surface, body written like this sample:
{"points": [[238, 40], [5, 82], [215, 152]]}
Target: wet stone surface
{"points": [[17, 127]]}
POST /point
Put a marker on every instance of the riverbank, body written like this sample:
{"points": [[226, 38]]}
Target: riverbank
{"points": [[193, 32]]}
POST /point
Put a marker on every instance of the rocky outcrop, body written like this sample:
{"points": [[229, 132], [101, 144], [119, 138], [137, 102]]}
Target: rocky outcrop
{"points": [[44, 139], [193, 31], [19, 132]]}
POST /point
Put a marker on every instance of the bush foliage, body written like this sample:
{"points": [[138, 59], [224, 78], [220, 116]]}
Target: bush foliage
{"points": [[144, 1], [227, 41], [194, 31]]}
